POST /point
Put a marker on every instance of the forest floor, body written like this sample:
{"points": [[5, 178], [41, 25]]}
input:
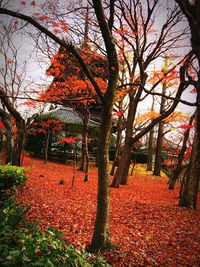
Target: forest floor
{"points": [[147, 226]]}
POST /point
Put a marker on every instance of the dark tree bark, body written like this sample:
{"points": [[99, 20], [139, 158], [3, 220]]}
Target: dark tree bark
{"points": [[5, 117], [176, 172], [189, 192], [84, 150], [158, 157], [118, 145], [21, 129], [150, 144], [85, 154], [183, 195], [19, 142], [124, 162], [192, 13], [150, 151], [46, 149], [101, 234]]}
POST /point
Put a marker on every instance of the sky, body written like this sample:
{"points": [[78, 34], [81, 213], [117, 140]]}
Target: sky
{"points": [[35, 72]]}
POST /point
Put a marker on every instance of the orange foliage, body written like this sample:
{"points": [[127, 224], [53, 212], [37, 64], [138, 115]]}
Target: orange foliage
{"points": [[176, 117], [169, 79], [72, 89], [146, 116], [69, 81]]}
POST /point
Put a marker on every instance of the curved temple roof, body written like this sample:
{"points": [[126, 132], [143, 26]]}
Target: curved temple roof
{"points": [[68, 115]]}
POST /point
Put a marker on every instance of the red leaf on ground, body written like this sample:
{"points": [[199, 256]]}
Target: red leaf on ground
{"points": [[146, 222]]}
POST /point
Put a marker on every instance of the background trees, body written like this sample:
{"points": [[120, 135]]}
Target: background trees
{"points": [[144, 43]]}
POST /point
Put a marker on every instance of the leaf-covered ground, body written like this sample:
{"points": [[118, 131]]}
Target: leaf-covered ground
{"points": [[147, 226]]}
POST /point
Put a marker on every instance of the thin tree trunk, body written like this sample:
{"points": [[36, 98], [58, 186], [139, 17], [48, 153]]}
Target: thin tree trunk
{"points": [[124, 163], [46, 146], [74, 171], [124, 179], [84, 150], [86, 178], [192, 13], [118, 145], [150, 151], [193, 183], [101, 234], [150, 144], [183, 201], [19, 142], [158, 157], [127, 145], [179, 167], [5, 117]]}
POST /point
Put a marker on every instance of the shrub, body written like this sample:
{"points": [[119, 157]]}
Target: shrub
{"points": [[11, 176], [25, 244]]}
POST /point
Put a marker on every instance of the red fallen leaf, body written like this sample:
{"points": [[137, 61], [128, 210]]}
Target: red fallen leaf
{"points": [[146, 224]]}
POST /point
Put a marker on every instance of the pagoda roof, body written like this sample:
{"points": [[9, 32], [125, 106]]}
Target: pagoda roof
{"points": [[69, 115]]}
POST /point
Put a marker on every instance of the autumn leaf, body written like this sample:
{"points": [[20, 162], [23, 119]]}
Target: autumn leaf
{"points": [[43, 18], [56, 30], [9, 61], [186, 126], [23, 3], [70, 140], [15, 24], [147, 226]]}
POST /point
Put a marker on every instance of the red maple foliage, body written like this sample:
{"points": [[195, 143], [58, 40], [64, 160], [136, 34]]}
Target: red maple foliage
{"points": [[147, 225], [69, 140]]}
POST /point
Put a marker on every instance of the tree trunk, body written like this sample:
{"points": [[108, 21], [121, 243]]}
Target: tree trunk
{"points": [[183, 201], [158, 158], [86, 178], [150, 143], [179, 167], [84, 150], [5, 117], [101, 234], [127, 145], [47, 135], [19, 142], [194, 178], [150, 151], [124, 163], [118, 145], [124, 179], [192, 13]]}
